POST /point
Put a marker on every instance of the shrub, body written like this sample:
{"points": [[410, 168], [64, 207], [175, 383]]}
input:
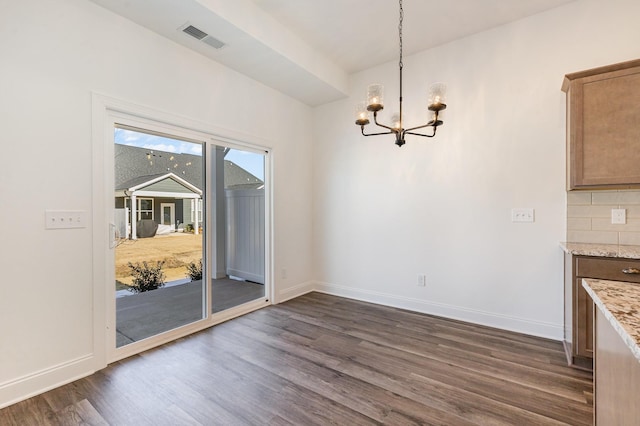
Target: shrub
{"points": [[121, 286], [189, 228], [145, 277], [194, 270]]}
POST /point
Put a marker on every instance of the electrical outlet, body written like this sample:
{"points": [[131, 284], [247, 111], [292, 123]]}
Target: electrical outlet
{"points": [[422, 280], [283, 273], [65, 219], [618, 216], [522, 215]]}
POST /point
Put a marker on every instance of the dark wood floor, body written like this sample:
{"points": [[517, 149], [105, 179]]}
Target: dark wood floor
{"points": [[321, 359]]}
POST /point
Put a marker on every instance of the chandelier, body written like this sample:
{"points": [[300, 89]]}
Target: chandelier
{"points": [[375, 96]]}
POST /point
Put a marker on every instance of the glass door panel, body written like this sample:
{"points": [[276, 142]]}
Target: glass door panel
{"points": [[238, 240], [168, 214], [159, 189]]}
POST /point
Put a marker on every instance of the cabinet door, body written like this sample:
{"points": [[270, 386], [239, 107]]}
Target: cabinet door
{"points": [[583, 321], [604, 127]]}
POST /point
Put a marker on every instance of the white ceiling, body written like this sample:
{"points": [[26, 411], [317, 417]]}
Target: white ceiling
{"points": [[307, 48], [358, 34]]}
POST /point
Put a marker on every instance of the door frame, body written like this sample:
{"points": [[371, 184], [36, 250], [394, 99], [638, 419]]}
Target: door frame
{"points": [[106, 113], [172, 214]]}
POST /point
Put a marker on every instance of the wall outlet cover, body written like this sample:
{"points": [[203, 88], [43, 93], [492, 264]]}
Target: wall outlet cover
{"points": [[618, 216]]}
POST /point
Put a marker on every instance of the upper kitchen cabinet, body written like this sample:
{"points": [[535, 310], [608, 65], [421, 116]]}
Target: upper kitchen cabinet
{"points": [[603, 127]]}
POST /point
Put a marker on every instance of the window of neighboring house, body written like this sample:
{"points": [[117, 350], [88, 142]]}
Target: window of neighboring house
{"points": [[145, 208]]}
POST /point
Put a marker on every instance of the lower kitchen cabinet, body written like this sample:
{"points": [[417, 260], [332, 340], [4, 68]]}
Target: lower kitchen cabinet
{"points": [[578, 306]]}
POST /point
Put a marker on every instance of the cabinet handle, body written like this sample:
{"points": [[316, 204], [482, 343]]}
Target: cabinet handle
{"points": [[631, 271]]}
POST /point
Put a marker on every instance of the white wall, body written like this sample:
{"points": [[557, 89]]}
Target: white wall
{"points": [[380, 214], [54, 54], [442, 206]]}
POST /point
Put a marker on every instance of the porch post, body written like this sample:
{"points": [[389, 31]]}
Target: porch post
{"points": [[219, 222], [195, 216], [134, 217]]}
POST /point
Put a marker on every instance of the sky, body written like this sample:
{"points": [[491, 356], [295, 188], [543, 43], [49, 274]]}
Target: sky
{"points": [[251, 162]]}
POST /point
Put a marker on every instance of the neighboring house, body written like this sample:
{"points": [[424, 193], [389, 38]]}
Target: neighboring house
{"points": [[166, 188], [166, 199]]}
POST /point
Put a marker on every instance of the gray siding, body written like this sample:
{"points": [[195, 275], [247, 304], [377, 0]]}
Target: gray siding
{"points": [[167, 185]]}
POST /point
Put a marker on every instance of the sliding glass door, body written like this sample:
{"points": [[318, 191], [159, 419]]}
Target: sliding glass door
{"points": [[188, 230], [237, 192], [159, 196]]}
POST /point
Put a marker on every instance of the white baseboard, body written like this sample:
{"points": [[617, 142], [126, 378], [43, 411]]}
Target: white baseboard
{"points": [[295, 291], [504, 322], [41, 381]]}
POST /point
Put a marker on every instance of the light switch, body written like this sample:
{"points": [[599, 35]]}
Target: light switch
{"points": [[65, 219], [618, 216], [422, 280], [522, 215]]}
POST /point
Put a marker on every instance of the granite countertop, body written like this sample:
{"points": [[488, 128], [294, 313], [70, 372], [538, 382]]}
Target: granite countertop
{"points": [[620, 304], [602, 250]]}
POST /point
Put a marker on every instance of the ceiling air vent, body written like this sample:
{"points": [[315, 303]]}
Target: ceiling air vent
{"points": [[213, 42], [202, 36], [195, 32]]}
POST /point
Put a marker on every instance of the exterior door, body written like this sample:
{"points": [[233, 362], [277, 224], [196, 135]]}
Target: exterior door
{"points": [[160, 284], [129, 321], [168, 214], [239, 237]]}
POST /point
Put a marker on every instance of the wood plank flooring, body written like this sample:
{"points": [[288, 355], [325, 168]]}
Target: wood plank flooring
{"points": [[320, 360]]}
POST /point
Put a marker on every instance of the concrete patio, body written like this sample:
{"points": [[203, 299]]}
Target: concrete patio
{"points": [[142, 315]]}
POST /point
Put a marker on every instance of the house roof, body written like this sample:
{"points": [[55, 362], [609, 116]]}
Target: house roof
{"points": [[135, 166], [133, 163], [143, 182], [235, 177], [132, 183]]}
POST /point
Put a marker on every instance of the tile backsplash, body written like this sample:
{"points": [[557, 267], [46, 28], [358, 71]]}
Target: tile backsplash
{"points": [[589, 217]]}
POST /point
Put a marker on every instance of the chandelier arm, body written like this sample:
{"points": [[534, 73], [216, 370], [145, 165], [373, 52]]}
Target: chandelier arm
{"points": [[375, 134], [429, 124], [433, 123], [391, 129], [375, 120], [420, 134]]}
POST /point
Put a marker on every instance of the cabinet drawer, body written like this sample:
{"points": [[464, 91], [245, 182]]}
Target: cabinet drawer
{"points": [[608, 269]]}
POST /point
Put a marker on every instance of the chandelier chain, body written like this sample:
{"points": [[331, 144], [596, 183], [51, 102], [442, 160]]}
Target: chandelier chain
{"points": [[400, 32]]}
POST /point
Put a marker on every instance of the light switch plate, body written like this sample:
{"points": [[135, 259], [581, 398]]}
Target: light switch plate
{"points": [[65, 219], [618, 216], [422, 280], [522, 215]]}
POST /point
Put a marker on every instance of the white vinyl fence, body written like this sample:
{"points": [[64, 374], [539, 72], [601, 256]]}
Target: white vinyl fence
{"points": [[121, 220], [245, 234]]}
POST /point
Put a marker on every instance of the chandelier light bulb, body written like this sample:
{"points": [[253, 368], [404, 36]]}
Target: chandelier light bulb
{"points": [[395, 121], [362, 115], [375, 97], [437, 93]]}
